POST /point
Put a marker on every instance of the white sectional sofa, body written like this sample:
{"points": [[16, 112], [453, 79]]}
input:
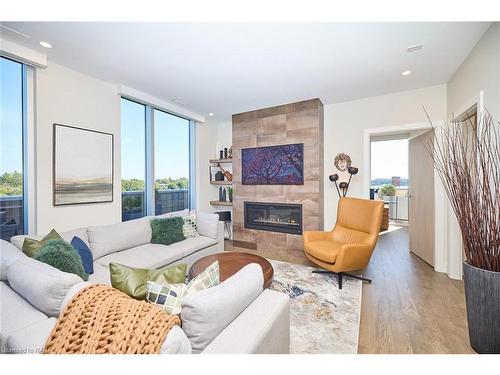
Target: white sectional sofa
{"points": [[32, 294]]}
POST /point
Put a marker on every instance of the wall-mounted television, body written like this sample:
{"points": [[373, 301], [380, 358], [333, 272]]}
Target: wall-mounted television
{"points": [[273, 165]]}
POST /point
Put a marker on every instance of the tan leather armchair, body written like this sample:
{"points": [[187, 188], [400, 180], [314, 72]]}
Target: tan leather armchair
{"points": [[349, 246]]}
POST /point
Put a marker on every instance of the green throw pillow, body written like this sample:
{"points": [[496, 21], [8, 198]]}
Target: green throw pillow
{"points": [[167, 231], [31, 246], [63, 256], [132, 281]]}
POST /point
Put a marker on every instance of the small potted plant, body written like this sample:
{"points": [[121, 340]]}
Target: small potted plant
{"points": [[467, 159], [230, 193]]}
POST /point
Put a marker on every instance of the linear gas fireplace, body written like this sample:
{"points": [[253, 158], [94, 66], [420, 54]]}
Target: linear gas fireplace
{"points": [[274, 217]]}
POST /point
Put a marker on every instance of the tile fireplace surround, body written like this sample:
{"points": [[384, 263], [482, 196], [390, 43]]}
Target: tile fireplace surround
{"points": [[300, 122]]}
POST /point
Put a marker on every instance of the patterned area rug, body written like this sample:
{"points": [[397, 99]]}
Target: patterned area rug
{"points": [[323, 319]]}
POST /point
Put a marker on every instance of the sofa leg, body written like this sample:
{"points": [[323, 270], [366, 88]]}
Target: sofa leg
{"points": [[340, 275]]}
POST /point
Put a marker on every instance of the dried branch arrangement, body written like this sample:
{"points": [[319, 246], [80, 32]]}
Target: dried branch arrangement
{"points": [[467, 159]]}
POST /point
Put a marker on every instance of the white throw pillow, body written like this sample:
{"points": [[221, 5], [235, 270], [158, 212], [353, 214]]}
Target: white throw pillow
{"points": [[40, 284], [207, 313], [208, 225], [8, 255]]}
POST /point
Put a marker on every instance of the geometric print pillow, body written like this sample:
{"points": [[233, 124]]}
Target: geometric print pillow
{"points": [[166, 296], [189, 229], [206, 279], [169, 296]]}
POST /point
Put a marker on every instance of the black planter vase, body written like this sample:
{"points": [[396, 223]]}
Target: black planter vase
{"points": [[482, 297]]}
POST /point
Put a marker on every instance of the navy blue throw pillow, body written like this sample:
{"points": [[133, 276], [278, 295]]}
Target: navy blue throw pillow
{"points": [[86, 256]]}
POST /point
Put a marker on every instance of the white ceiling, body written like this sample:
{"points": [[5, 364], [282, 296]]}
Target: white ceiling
{"points": [[231, 68]]}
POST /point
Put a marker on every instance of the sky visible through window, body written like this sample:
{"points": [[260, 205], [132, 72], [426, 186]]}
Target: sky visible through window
{"points": [[389, 159], [171, 143], [11, 116]]}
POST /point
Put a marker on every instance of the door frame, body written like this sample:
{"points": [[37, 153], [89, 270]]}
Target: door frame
{"points": [[441, 206]]}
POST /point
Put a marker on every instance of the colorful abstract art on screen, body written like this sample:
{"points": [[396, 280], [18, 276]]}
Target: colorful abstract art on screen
{"points": [[273, 165]]}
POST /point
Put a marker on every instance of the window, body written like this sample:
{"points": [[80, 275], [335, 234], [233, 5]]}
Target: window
{"points": [[171, 155], [156, 161], [12, 189], [133, 151]]}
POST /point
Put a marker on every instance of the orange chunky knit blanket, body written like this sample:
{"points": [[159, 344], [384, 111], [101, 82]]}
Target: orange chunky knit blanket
{"points": [[100, 320]]}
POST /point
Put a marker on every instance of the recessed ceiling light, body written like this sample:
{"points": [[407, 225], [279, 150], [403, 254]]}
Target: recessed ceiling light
{"points": [[46, 44], [406, 72], [211, 114], [414, 48]]}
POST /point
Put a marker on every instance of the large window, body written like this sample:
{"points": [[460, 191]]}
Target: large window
{"points": [[12, 217], [133, 151], [171, 156], [156, 161]]}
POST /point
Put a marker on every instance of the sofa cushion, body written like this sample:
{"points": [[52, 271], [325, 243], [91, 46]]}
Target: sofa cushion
{"points": [[206, 313], [100, 275], [155, 256], [176, 342], [31, 339], [42, 285], [107, 239], [8, 255], [208, 225], [15, 313], [66, 236]]}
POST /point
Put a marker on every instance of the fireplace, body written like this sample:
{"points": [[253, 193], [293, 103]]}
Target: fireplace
{"points": [[273, 217]]}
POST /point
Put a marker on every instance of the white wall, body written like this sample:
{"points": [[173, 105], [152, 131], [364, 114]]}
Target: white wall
{"points": [[67, 97], [210, 138], [479, 72], [346, 122]]}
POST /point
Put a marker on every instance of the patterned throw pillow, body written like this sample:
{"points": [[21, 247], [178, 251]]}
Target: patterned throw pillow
{"points": [[208, 278], [169, 296], [190, 229], [166, 296]]}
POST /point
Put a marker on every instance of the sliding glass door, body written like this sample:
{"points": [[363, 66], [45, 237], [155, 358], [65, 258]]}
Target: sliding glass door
{"points": [[12, 114]]}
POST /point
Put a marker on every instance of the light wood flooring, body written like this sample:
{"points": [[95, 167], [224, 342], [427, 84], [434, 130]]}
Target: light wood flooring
{"points": [[409, 308]]}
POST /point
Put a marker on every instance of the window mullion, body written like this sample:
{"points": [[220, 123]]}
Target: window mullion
{"points": [[150, 177]]}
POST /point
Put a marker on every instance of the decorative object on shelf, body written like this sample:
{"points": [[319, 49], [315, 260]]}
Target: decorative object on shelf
{"points": [[219, 176], [83, 166], [225, 216], [227, 174], [468, 164], [230, 193], [273, 165], [344, 186], [342, 162], [230, 153], [221, 154], [225, 152]]}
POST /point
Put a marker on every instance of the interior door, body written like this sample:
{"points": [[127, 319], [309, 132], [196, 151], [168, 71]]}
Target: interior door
{"points": [[421, 191]]}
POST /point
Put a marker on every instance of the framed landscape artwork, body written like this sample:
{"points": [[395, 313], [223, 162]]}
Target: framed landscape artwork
{"points": [[273, 165], [83, 166]]}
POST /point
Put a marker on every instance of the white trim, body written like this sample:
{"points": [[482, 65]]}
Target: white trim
{"points": [[30, 163], [164, 105], [441, 210], [22, 54]]}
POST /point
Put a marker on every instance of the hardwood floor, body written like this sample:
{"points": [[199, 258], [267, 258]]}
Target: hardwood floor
{"points": [[409, 308]]}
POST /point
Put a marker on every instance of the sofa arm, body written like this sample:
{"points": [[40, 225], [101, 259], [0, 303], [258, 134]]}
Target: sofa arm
{"points": [[262, 328]]}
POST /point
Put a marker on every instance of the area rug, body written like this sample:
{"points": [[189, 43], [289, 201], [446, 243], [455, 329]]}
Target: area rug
{"points": [[323, 318]]}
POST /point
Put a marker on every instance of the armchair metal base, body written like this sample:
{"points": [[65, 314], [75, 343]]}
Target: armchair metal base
{"points": [[342, 274]]}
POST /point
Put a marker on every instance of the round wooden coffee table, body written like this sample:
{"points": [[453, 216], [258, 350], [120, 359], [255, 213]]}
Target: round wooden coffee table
{"points": [[232, 262]]}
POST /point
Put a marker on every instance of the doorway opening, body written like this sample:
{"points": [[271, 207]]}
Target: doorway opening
{"points": [[402, 175]]}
